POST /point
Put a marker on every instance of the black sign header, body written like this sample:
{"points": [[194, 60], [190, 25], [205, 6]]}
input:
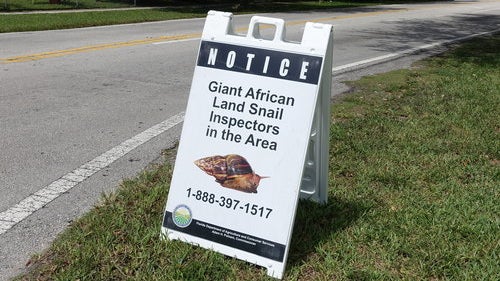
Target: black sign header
{"points": [[263, 62]]}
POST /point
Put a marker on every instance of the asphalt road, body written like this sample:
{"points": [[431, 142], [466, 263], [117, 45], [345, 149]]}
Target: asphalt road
{"points": [[74, 104]]}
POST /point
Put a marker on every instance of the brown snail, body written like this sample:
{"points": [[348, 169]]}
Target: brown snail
{"points": [[231, 171]]}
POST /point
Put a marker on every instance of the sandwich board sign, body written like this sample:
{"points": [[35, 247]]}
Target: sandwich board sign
{"points": [[254, 124]]}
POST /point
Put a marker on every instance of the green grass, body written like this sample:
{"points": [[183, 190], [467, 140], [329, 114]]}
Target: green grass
{"points": [[33, 22], [48, 21], [414, 192], [28, 5]]}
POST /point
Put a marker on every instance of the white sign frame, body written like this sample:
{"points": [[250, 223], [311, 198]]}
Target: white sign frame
{"points": [[256, 106]]}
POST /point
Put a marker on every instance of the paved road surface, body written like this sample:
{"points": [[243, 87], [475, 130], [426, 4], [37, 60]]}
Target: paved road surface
{"points": [[82, 109]]}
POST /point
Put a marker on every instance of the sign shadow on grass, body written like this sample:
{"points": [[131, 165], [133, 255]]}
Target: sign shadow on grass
{"points": [[315, 223]]}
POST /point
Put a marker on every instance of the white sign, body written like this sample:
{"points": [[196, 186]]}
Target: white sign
{"points": [[238, 170]]}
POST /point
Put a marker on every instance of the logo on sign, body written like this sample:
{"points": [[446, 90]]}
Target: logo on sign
{"points": [[182, 216]]}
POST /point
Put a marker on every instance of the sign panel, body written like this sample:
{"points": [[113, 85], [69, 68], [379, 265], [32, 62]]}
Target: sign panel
{"points": [[238, 170]]}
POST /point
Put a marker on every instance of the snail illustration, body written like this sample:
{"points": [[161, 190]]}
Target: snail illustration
{"points": [[231, 171]]}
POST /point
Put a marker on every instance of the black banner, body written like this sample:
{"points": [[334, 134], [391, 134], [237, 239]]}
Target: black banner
{"points": [[263, 62], [228, 237]]}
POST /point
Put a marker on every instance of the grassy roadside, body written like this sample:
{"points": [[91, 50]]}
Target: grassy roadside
{"points": [[38, 5], [414, 176], [48, 21], [36, 22]]}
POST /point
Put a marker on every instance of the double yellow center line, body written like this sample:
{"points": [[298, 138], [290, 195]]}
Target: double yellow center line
{"points": [[98, 47]]}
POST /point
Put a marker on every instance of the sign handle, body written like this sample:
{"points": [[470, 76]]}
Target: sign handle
{"points": [[254, 30]]}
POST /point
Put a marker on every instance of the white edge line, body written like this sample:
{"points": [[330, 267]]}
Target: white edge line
{"points": [[42, 197], [363, 63]]}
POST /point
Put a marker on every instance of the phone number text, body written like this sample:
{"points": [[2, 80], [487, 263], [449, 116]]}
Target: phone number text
{"points": [[229, 203]]}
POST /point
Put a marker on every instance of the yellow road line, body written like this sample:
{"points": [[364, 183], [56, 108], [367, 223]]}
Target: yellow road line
{"points": [[91, 48], [98, 47]]}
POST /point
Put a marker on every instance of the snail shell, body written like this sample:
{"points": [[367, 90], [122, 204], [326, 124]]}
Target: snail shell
{"points": [[231, 171]]}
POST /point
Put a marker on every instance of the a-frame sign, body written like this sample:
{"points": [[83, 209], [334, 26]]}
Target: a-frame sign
{"points": [[254, 140]]}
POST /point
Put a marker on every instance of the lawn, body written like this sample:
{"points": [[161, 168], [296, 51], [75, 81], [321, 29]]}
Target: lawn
{"points": [[414, 192]]}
